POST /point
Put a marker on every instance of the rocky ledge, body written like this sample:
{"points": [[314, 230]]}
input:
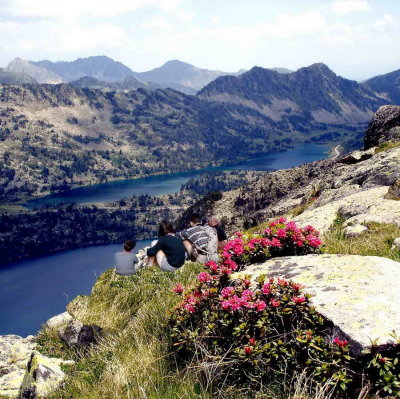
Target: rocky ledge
{"points": [[358, 294]]}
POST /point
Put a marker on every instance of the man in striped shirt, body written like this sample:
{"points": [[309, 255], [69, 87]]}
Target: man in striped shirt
{"points": [[195, 238]]}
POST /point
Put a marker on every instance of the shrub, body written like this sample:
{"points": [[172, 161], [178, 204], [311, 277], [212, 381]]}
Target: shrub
{"points": [[245, 336], [279, 238], [251, 334]]}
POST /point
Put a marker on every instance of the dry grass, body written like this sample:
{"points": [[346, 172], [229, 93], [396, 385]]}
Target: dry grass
{"points": [[377, 241], [387, 146]]}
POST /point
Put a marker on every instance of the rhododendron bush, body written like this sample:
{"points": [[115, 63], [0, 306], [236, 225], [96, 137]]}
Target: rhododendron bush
{"points": [[248, 333], [280, 238]]}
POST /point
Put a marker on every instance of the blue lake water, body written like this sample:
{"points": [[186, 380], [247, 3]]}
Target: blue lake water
{"points": [[171, 183], [32, 291]]}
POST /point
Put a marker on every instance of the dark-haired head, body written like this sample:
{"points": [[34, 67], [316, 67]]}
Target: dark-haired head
{"points": [[165, 228], [195, 218], [129, 245]]}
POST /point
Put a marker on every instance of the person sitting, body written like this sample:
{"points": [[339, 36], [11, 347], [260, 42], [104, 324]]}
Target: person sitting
{"points": [[200, 241], [168, 251], [222, 238], [126, 261]]}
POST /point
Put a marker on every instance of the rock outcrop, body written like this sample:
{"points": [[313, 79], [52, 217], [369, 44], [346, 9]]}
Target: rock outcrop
{"points": [[15, 353], [384, 126], [78, 335], [358, 294], [43, 375]]}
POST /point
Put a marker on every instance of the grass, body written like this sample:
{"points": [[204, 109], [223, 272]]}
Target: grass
{"points": [[387, 146], [376, 241], [132, 360]]}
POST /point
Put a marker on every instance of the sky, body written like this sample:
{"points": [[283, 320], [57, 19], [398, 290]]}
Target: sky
{"points": [[358, 39]]}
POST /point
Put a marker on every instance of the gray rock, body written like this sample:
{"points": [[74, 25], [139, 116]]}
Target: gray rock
{"points": [[359, 294], [384, 126], [58, 320], [396, 244], [357, 156], [15, 352], [355, 231], [394, 191], [78, 335], [42, 377]]}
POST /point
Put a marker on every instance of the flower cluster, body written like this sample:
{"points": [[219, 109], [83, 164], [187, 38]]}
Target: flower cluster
{"points": [[278, 239], [292, 239]]}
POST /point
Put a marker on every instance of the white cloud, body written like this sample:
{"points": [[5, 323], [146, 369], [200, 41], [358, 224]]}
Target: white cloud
{"points": [[343, 7], [79, 8], [215, 19]]}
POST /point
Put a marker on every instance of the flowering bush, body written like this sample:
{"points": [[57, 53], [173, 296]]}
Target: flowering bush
{"points": [[248, 333], [280, 238], [255, 333]]}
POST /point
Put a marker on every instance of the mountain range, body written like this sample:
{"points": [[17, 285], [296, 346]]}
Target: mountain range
{"points": [[173, 74]]}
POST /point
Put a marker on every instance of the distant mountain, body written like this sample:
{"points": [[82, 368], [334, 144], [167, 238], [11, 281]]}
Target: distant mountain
{"points": [[181, 76], [99, 67], [387, 86], [14, 78], [39, 74], [315, 91], [281, 70], [128, 83]]}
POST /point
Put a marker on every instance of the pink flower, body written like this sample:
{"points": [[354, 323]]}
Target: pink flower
{"points": [[260, 305], [291, 226], [298, 300], [314, 241], [282, 282], [227, 292], [204, 277], [252, 341], [281, 233], [225, 305], [190, 308], [296, 287], [247, 295], [266, 289], [281, 220], [212, 266], [178, 289], [299, 243], [248, 350], [247, 283], [275, 303], [239, 234], [275, 243], [340, 343]]}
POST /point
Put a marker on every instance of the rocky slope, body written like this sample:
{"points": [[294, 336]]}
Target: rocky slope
{"points": [[387, 86], [354, 186]]}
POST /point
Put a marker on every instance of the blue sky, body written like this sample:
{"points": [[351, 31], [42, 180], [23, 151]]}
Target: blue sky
{"points": [[356, 38]]}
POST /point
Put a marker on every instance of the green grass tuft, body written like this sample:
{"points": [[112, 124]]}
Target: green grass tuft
{"points": [[387, 146]]}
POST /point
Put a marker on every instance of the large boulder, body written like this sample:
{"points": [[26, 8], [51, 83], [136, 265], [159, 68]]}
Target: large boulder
{"points": [[15, 353], [76, 334], [358, 294], [384, 126], [59, 320], [43, 375]]}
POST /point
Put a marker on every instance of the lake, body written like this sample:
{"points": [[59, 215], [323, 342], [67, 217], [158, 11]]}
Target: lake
{"points": [[34, 290], [171, 183]]}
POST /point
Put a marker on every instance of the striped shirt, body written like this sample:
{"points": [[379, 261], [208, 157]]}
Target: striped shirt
{"points": [[196, 235]]}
